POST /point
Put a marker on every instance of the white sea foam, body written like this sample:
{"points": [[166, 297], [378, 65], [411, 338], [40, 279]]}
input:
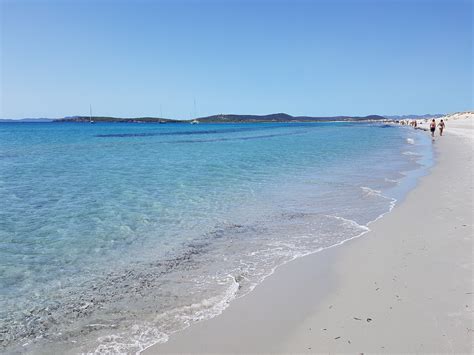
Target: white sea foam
{"points": [[146, 335], [350, 222], [209, 308], [371, 192], [410, 153], [410, 141], [139, 337], [392, 180]]}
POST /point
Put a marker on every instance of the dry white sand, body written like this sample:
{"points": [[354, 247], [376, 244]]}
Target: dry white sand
{"points": [[406, 286], [461, 124]]}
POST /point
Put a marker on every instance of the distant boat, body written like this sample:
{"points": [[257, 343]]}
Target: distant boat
{"points": [[90, 114], [195, 114]]}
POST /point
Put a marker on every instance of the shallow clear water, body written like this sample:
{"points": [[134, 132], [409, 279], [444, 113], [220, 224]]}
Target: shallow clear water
{"points": [[113, 236]]}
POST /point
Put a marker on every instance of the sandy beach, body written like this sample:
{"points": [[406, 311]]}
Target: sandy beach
{"points": [[406, 286]]}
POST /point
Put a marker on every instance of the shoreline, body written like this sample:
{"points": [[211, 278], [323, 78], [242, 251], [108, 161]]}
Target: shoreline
{"points": [[277, 318]]}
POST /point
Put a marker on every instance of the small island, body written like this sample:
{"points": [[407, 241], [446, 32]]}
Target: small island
{"points": [[224, 118]]}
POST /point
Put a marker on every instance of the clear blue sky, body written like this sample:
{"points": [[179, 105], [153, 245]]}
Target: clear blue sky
{"points": [[129, 58]]}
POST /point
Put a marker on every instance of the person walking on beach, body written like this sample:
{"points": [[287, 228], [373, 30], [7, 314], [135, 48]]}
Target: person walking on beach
{"points": [[441, 127], [432, 127]]}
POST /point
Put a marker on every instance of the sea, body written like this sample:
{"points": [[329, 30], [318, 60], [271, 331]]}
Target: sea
{"points": [[113, 236]]}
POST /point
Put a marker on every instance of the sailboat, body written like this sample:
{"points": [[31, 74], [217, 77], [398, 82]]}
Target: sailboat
{"points": [[195, 121], [90, 114]]}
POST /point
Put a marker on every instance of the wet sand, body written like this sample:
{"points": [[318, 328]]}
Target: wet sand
{"points": [[406, 286]]}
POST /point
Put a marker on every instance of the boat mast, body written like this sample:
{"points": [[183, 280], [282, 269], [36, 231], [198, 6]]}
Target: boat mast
{"points": [[195, 112], [90, 113]]}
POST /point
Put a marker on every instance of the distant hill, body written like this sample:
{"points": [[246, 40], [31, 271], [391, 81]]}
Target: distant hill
{"points": [[222, 118], [281, 117]]}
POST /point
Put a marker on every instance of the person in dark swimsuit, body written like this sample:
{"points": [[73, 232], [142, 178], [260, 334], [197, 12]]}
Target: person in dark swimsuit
{"points": [[441, 127], [432, 127]]}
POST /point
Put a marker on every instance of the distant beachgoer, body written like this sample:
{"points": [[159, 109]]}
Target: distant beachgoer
{"points": [[441, 127], [432, 127]]}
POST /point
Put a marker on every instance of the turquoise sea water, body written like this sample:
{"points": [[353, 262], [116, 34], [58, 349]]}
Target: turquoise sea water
{"points": [[113, 236]]}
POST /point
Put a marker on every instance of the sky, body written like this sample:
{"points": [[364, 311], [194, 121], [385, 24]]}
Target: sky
{"points": [[187, 58]]}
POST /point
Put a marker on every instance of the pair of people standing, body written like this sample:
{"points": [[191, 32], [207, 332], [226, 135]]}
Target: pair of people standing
{"points": [[433, 127]]}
